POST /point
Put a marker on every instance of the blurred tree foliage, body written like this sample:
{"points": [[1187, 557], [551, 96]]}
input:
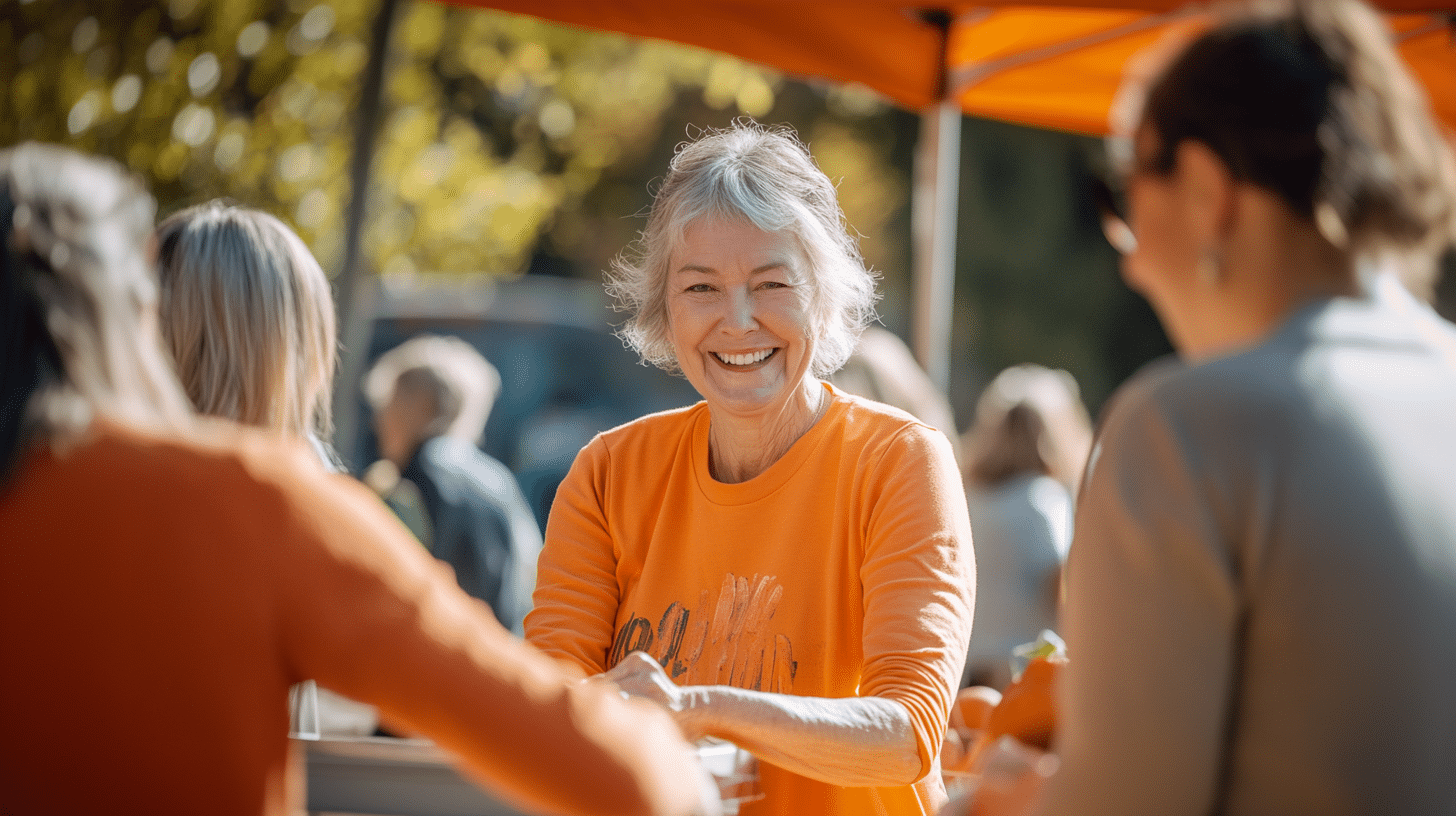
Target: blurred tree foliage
{"points": [[509, 143], [1035, 280], [202, 98]]}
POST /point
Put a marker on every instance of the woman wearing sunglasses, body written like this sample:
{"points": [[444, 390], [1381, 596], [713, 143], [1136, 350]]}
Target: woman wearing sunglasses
{"points": [[1261, 591]]}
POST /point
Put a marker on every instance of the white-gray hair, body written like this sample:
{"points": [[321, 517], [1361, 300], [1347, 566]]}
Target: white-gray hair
{"points": [[460, 382], [77, 300], [249, 318], [766, 177]]}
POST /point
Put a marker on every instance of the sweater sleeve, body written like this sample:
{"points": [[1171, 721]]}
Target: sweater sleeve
{"points": [[1149, 622], [367, 613], [919, 580], [574, 609]]}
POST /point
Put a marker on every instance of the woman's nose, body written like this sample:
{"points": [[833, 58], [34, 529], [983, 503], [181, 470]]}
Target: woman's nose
{"points": [[741, 314]]}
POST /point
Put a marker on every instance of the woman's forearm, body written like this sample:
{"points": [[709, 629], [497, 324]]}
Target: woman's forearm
{"points": [[853, 741]]}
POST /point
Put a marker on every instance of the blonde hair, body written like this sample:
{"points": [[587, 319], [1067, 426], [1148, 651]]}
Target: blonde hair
{"points": [[460, 383], [77, 300], [248, 315], [765, 177]]}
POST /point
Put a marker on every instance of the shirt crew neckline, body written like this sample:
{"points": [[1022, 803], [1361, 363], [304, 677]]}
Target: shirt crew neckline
{"points": [[777, 474]]}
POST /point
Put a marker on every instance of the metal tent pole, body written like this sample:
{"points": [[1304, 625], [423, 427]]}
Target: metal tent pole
{"points": [[935, 209], [356, 301]]}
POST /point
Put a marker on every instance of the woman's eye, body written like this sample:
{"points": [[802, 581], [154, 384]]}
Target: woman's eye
{"points": [[773, 285], [700, 287]]}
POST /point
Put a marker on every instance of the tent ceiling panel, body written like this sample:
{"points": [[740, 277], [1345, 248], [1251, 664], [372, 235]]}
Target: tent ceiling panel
{"points": [[1052, 65]]}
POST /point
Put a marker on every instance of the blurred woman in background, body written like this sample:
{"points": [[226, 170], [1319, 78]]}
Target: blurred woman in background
{"points": [[1025, 454], [247, 314], [1261, 589], [883, 368], [164, 580]]}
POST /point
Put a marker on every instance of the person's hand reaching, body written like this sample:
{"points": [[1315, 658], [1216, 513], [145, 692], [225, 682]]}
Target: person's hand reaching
{"points": [[638, 675]]}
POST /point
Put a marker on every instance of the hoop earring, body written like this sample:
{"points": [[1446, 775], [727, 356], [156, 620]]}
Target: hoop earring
{"points": [[1210, 267]]}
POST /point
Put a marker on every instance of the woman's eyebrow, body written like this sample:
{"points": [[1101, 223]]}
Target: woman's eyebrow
{"points": [[708, 270]]}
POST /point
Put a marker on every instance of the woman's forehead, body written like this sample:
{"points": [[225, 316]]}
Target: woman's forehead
{"points": [[719, 239]]}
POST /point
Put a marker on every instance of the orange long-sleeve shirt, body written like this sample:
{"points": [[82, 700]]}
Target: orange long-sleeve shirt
{"points": [[157, 599], [843, 570]]}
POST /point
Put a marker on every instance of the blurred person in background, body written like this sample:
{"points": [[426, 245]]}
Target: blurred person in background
{"points": [[165, 579], [246, 312], [431, 398], [1025, 453], [782, 565], [1261, 588], [882, 368]]}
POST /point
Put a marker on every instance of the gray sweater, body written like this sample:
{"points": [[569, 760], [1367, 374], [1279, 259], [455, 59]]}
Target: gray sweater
{"points": [[1261, 609]]}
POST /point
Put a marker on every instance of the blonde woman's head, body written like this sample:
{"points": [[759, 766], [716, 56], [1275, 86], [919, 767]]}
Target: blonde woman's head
{"points": [[248, 316]]}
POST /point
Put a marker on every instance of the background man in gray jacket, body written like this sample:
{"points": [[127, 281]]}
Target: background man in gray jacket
{"points": [[431, 397]]}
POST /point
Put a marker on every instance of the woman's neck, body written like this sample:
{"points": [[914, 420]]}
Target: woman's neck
{"points": [[1281, 264], [742, 447]]}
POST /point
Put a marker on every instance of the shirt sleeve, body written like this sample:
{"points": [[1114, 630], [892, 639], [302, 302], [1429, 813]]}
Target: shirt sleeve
{"points": [[368, 613], [919, 579], [574, 610], [1149, 621]]}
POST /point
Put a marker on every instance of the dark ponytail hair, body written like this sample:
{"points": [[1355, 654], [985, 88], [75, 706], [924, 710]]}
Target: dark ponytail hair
{"points": [[1255, 94], [1309, 100], [31, 360]]}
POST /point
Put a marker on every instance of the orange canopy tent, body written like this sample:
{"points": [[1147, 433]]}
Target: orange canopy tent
{"points": [[1055, 64]]}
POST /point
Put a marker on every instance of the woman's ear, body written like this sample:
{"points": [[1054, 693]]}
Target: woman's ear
{"points": [[1207, 190]]}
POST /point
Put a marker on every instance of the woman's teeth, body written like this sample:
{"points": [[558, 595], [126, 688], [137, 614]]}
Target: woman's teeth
{"points": [[745, 359]]}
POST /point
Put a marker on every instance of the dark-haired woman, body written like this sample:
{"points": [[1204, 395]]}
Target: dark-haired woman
{"points": [[1261, 590], [163, 581]]}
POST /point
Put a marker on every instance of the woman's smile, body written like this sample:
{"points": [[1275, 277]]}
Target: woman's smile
{"points": [[747, 361]]}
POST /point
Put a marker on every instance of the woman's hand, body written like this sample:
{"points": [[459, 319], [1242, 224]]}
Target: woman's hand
{"points": [[1009, 780], [638, 675]]}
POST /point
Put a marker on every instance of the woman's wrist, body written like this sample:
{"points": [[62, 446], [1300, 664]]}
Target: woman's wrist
{"points": [[695, 717]]}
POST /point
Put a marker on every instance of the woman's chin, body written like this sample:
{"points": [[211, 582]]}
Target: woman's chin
{"points": [[744, 404]]}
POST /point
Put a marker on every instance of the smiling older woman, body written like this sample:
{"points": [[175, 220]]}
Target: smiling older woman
{"points": [[781, 565]]}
